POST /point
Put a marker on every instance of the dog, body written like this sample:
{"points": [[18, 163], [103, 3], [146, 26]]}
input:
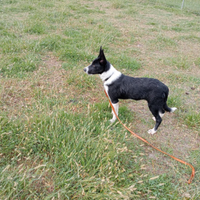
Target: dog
{"points": [[119, 86]]}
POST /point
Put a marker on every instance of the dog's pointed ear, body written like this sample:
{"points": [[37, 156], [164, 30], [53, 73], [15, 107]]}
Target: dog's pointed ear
{"points": [[102, 57], [100, 51]]}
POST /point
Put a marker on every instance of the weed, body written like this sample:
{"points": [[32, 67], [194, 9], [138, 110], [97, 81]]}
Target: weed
{"points": [[37, 28], [126, 62], [19, 65], [197, 62], [117, 4], [192, 119], [179, 62], [52, 43], [163, 42]]}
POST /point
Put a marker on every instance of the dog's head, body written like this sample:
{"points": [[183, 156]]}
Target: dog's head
{"points": [[99, 65]]}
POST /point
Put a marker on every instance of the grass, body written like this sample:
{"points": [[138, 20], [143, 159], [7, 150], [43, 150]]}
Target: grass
{"points": [[56, 139]]}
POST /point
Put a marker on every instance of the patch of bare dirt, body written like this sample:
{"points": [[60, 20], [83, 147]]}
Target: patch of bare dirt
{"points": [[17, 94], [14, 94], [52, 72]]}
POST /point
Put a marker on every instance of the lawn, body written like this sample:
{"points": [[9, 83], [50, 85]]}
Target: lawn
{"points": [[56, 138]]}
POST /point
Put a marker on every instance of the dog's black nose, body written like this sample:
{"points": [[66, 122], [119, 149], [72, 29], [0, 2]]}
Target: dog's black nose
{"points": [[84, 69]]}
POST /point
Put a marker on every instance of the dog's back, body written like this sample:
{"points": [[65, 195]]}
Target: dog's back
{"points": [[126, 87]]}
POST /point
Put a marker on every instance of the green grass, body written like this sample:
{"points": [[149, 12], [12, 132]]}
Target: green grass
{"points": [[19, 65], [190, 6], [192, 119], [61, 163], [56, 138], [179, 62], [197, 62]]}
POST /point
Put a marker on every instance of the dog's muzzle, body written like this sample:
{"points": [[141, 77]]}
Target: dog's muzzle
{"points": [[85, 70]]}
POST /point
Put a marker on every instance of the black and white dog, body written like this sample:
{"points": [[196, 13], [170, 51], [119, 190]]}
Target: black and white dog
{"points": [[119, 86]]}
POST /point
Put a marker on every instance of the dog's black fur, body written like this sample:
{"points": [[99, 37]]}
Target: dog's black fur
{"points": [[120, 86]]}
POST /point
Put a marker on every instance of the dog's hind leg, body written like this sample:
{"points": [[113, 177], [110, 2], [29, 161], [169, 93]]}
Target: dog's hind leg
{"points": [[161, 113], [158, 118], [158, 122], [116, 107]]}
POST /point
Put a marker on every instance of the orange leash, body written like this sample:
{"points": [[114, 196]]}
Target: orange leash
{"points": [[181, 161]]}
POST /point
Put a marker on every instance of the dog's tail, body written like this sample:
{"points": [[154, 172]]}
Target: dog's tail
{"points": [[165, 107], [168, 109]]}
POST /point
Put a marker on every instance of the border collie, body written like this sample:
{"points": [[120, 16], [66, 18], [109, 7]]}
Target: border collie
{"points": [[119, 86]]}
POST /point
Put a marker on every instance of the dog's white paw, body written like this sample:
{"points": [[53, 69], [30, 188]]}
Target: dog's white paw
{"points": [[151, 131], [154, 119], [112, 120], [173, 109]]}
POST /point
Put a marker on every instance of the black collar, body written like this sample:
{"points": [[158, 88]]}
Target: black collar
{"points": [[108, 77]]}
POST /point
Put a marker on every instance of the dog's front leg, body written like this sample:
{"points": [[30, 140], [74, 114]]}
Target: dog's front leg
{"points": [[116, 107]]}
